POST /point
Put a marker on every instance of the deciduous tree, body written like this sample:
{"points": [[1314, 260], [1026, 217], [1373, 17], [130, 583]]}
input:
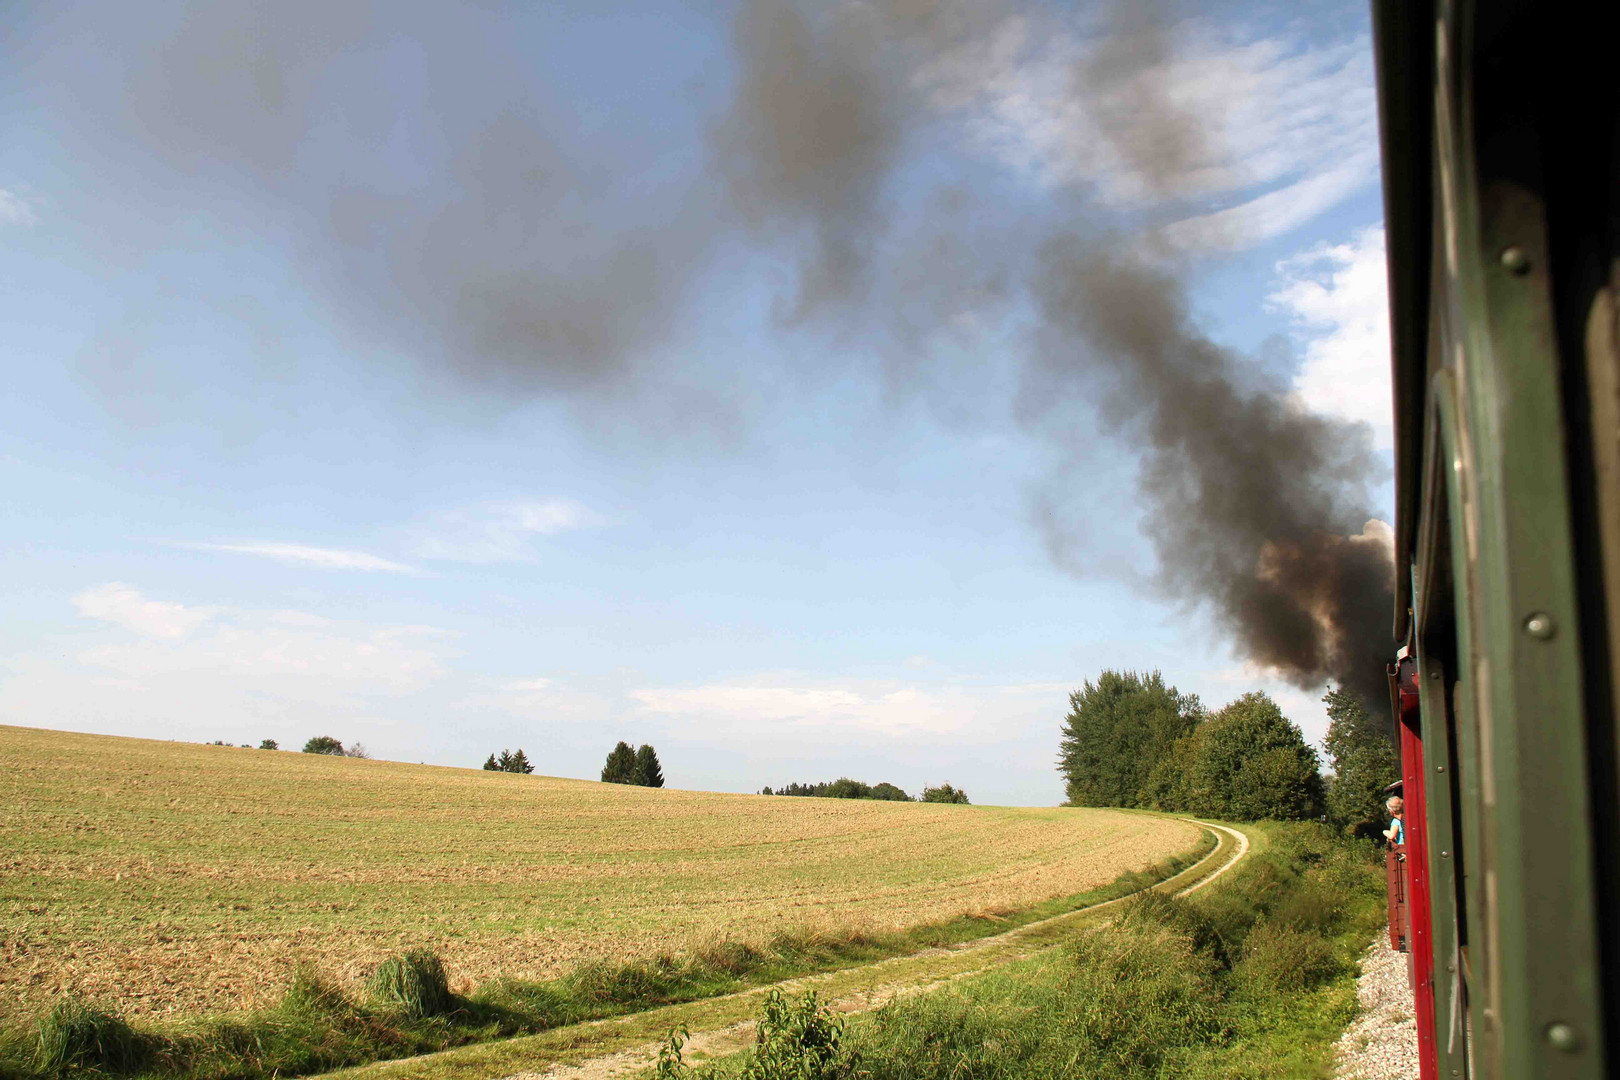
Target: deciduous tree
{"points": [[1117, 730], [323, 744], [1249, 762]]}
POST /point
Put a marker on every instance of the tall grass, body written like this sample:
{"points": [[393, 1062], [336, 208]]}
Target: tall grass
{"points": [[408, 1008], [413, 983], [76, 1037]]}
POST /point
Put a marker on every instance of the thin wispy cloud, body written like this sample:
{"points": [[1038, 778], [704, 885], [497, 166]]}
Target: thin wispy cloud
{"points": [[319, 557], [498, 532], [1286, 130]]}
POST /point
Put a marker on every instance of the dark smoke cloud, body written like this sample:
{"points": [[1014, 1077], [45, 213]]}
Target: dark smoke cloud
{"points": [[446, 203], [1254, 504]]}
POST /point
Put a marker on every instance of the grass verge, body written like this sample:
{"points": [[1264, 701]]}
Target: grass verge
{"points": [[408, 1009], [1252, 979]]}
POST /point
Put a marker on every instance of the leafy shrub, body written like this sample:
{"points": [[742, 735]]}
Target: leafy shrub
{"points": [[75, 1036], [945, 793], [796, 1041], [324, 744], [800, 1040], [413, 983]]}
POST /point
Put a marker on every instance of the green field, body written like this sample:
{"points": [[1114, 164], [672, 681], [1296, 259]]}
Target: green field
{"points": [[179, 878]]}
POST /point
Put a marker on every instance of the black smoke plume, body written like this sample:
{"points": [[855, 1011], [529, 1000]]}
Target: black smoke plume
{"points": [[487, 237]]}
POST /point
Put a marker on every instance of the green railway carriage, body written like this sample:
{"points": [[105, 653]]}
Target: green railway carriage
{"points": [[1501, 167]]}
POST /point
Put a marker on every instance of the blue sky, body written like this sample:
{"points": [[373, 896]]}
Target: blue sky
{"points": [[457, 383]]}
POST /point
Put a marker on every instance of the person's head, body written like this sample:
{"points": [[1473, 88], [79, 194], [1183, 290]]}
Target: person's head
{"points": [[1395, 805]]}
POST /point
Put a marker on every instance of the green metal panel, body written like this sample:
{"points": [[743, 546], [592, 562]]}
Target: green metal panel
{"points": [[1433, 610], [1541, 1017], [1469, 813]]}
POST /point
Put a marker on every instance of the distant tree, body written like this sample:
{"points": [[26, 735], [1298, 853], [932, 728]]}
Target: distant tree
{"points": [[358, 750], [1116, 731], [324, 744], [842, 788], [491, 765], [845, 788], [1362, 754], [648, 771], [766, 790], [945, 793], [1249, 762], [519, 763], [621, 765]]}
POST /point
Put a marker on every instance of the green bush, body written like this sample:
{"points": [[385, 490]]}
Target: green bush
{"points": [[800, 1040], [75, 1037], [413, 983]]}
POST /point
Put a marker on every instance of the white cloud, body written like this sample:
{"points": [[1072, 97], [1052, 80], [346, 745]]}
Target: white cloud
{"points": [[1281, 132], [124, 606], [194, 672], [774, 708], [1336, 297], [501, 531], [304, 555], [13, 210]]}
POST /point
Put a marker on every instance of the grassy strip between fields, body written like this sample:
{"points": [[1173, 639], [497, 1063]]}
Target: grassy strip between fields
{"points": [[1252, 978], [408, 1009]]}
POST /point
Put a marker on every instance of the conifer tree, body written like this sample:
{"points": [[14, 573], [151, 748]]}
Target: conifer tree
{"points": [[519, 763], [648, 772], [621, 765], [491, 765]]}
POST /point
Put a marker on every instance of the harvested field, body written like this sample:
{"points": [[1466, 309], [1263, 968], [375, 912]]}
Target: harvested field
{"points": [[179, 878]]}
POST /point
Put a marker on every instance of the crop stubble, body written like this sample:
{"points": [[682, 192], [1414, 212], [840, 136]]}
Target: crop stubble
{"points": [[179, 878]]}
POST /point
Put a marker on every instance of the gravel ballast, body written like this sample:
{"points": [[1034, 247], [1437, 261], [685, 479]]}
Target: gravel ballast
{"points": [[1382, 1042]]}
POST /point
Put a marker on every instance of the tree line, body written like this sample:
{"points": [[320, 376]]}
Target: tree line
{"points": [[508, 762], [845, 788], [1131, 740]]}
